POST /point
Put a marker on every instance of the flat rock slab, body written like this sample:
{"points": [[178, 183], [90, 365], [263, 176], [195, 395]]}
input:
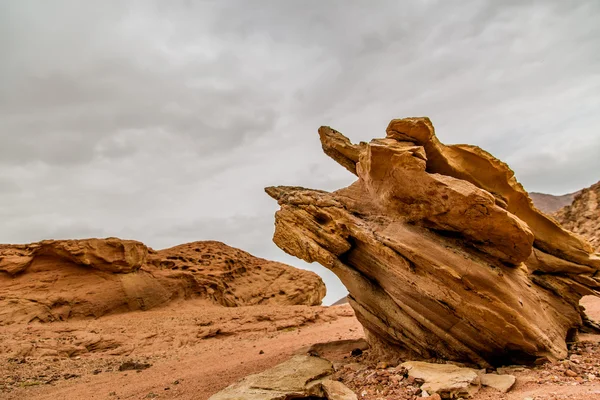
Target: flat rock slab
{"points": [[298, 378], [449, 380], [445, 379], [502, 383]]}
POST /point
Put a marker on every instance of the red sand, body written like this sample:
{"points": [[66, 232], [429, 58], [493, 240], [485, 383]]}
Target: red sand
{"points": [[187, 363]]}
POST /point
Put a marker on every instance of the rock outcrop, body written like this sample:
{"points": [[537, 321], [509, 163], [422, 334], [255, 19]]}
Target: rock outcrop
{"points": [[582, 216], [62, 279], [441, 250]]}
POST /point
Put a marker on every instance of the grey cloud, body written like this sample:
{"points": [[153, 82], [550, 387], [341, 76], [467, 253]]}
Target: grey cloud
{"points": [[163, 121]]}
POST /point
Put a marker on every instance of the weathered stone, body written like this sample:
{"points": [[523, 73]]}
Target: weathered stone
{"points": [[441, 250], [447, 380], [300, 377], [335, 390], [502, 383]]}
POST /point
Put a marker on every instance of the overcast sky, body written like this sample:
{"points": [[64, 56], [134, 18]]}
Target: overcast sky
{"points": [[162, 121]]}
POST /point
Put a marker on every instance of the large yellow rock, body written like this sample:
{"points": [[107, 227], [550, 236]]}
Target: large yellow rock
{"points": [[441, 249]]}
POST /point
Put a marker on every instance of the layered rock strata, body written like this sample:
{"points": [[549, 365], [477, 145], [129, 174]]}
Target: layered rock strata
{"points": [[441, 250]]}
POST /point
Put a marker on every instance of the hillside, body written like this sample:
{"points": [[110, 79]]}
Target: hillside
{"points": [[582, 216], [549, 203]]}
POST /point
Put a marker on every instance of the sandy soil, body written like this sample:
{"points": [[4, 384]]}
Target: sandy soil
{"points": [[195, 349]]}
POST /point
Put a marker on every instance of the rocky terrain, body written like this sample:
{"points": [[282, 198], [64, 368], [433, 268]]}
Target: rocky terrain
{"points": [[442, 251], [75, 279], [187, 350], [194, 349], [582, 216]]}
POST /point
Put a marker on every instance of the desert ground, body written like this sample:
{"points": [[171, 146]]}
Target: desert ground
{"points": [[192, 350]]}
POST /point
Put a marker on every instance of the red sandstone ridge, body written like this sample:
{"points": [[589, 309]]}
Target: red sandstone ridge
{"points": [[63, 279]]}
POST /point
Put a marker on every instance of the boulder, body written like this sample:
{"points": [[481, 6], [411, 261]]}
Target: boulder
{"points": [[447, 380], [441, 249], [63, 279], [502, 383], [451, 381]]}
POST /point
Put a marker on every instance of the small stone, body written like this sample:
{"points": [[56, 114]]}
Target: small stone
{"points": [[382, 365], [261, 352], [571, 373], [502, 383]]}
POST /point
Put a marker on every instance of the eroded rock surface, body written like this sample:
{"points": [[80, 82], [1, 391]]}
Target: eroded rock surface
{"points": [[62, 279], [449, 381], [441, 250]]}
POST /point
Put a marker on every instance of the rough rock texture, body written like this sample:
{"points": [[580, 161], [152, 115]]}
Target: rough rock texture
{"points": [[449, 381], [582, 216], [441, 250], [549, 203], [301, 377], [62, 279], [234, 277]]}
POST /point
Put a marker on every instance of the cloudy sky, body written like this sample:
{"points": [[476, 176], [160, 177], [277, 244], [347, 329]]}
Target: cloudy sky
{"points": [[162, 121]]}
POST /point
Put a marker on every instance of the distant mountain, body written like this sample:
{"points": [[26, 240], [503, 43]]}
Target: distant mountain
{"points": [[582, 216], [549, 203], [343, 300]]}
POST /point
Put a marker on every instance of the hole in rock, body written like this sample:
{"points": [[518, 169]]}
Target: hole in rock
{"points": [[322, 219], [512, 357]]}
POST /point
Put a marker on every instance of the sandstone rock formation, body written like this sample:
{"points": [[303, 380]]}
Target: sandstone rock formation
{"points": [[62, 279], [441, 250], [582, 216]]}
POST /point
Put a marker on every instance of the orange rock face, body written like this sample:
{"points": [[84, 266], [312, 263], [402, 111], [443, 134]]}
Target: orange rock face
{"points": [[62, 279], [441, 249]]}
